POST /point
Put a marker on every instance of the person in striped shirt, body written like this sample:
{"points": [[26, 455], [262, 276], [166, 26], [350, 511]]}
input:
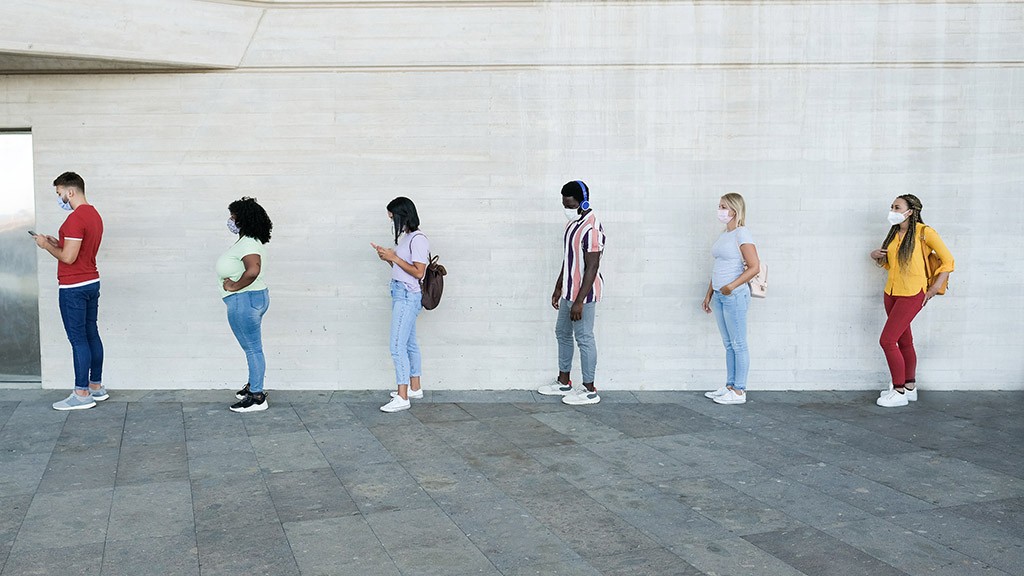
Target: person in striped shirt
{"points": [[577, 292]]}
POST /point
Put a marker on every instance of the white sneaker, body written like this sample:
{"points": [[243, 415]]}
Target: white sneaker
{"points": [[730, 397], [911, 394], [412, 394], [555, 388], [581, 397], [892, 400], [396, 405], [716, 393]]}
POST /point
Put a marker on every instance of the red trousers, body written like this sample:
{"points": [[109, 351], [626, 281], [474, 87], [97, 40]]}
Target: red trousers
{"points": [[897, 341]]}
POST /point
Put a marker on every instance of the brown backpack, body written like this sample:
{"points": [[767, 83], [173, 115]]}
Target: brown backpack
{"points": [[432, 283]]}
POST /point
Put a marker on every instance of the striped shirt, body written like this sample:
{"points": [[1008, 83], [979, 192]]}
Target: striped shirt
{"points": [[584, 234]]}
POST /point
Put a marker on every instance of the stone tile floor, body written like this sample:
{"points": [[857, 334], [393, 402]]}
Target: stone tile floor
{"points": [[512, 483]]}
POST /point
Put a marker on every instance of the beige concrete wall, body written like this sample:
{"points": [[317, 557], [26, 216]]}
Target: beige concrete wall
{"points": [[819, 113]]}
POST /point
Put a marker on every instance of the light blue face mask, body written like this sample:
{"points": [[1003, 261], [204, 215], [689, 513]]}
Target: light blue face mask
{"points": [[232, 227], [64, 204]]}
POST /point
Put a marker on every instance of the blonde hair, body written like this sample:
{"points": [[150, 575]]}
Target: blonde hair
{"points": [[736, 203]]}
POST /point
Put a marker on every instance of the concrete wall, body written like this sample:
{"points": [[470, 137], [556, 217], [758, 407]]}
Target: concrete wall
{"points": [[819, 113]]}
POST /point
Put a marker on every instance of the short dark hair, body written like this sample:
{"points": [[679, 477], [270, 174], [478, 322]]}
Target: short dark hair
{"points": [[251, 219], [575, 189], [70, 180], [404, 214]]}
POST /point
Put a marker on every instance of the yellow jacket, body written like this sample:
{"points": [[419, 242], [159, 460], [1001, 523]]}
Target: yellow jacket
{"points": [[914, 280]]}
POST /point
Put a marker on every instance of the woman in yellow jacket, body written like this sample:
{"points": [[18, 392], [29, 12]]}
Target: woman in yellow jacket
{"points": [[904, 255]]}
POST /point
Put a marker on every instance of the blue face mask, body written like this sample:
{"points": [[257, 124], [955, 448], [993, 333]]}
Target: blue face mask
{"points": [[232, 227], [64, 204]]}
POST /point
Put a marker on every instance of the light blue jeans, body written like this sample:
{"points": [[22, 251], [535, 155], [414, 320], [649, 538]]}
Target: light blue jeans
{"points": [[583, 330], [731, 314], [245, 315], [405, 351]]}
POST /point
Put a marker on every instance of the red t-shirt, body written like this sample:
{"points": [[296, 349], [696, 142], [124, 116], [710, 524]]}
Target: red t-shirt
{"points": [[86, 225]]}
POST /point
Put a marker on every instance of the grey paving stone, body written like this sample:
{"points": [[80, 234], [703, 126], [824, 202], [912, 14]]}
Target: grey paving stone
{"points": [[278, 419], [525, 431], [12, 513], [220, 457], [734, 557], [660, 515], [256, 550], [383, 488], [435, 412], [761, 451], [1007, 515], [232, 501], [582, 522], [145, 463], [222, 397], [325, 416], [322, 547], [80, 470], [413, 442], [349, 446], [509, 536], [491, 411], [426, 542], [156, 423], [300, 397], [288, 452], [481, 396], [369, 414], [796, 500], [6, 409], [906, 551], [359, 396], [580, 429], [29, 438], [207, 421], [643, 461], [156, 509], [814, 552], [309, 495], [629, 422], [38, 561], [581, 467], [680, 417], [167, 556], [992, 456], [654, 562], [573, 568], [986, 542], [861, 492], [472, 438], [728, 507], [21, 472], [695, 451], [50, 524]]}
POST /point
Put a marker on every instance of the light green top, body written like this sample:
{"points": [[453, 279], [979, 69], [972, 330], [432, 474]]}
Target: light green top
{"points": [[230, 265]]}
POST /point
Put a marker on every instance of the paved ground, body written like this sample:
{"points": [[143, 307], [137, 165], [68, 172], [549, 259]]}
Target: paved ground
{"points": [[514, 484]]}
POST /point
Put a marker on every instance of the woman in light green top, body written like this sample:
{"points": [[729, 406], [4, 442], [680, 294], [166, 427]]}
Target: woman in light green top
{"points": [[240, 270]]}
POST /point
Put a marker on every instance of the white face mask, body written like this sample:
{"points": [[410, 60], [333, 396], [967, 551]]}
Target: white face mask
{"points": [[896, 218], [232, 227], [724, 217], [571, 213]]}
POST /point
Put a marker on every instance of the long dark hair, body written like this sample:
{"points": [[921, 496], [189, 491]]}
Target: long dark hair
{"points": [[906, 250], [403, 214], [251, 219]]}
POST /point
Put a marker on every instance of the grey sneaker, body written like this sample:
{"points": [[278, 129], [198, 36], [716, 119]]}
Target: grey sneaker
{"points": [[555, 388], [99, 395], [580, 396], [75, 402]]}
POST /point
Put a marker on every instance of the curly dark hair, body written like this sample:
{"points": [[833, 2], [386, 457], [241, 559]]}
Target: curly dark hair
{"points": [[251, 219], [906, 250]]}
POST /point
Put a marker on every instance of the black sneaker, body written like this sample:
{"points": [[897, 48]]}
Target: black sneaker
{"points": [[241, 394], [251, 403]]}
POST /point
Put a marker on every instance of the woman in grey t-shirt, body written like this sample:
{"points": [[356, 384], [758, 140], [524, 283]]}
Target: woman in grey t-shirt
{"points": [[728, 295]]}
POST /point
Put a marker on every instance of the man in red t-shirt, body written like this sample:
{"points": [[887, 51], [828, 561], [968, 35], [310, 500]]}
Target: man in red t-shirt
{"points": [[79, 283]]}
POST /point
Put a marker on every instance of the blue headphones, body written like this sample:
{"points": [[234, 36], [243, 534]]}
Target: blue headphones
{"points": [[585, 205]]}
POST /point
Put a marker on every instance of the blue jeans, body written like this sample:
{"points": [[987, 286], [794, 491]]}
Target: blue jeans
{"points": [[405, 351], [79, 308], [245, 315], [731, 314], [583, 329]]}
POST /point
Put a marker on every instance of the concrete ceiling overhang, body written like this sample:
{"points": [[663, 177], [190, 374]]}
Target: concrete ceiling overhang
{"points": [[60, 36]]}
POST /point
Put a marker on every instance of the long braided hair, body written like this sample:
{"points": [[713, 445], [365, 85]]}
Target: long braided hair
{"points": [[906, 251]]}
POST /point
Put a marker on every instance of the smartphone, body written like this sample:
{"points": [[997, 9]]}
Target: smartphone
{"points": [[32, 232]]}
